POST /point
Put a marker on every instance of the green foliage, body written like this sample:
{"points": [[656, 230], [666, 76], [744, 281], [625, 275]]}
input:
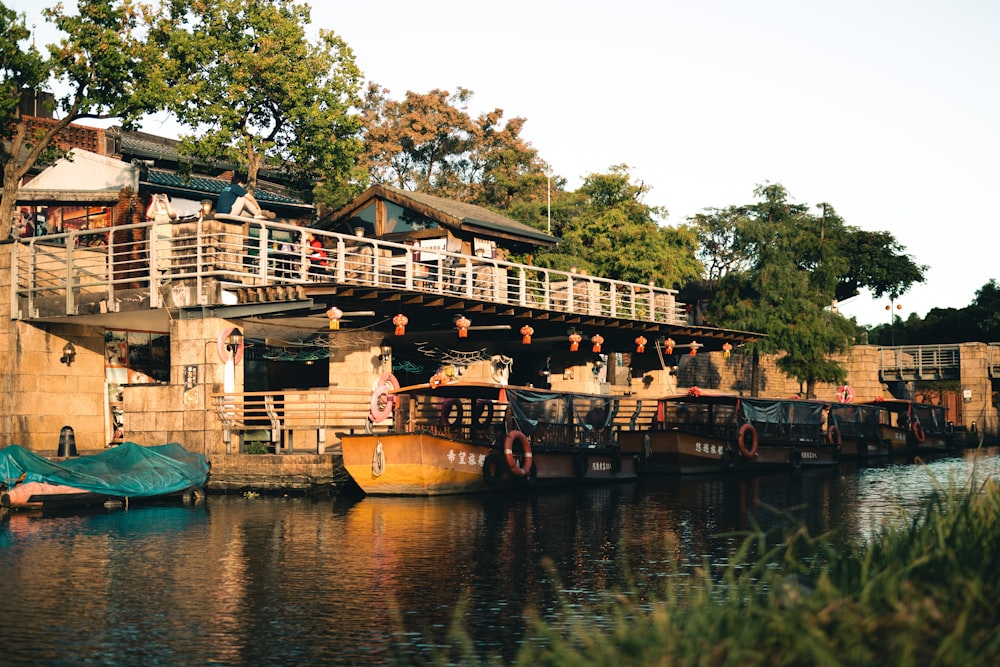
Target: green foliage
{"points": [[21, 67], [977, 322], [244, 75]]}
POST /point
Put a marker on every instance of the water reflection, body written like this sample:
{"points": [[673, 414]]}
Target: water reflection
{"points": [[289, 581]]}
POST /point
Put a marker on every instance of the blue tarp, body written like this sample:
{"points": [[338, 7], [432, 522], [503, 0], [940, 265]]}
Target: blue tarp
{"points": [[128, 470]]}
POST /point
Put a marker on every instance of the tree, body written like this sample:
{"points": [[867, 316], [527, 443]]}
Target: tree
{"points": [[102, 63], [612, 232], [793, 263], [244, 75]]}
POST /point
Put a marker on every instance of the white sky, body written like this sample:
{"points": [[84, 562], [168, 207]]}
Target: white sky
{"points": [[889, 110]]}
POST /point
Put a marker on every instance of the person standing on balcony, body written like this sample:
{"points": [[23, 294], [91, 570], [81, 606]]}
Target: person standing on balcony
{"points": [[235, 199]]}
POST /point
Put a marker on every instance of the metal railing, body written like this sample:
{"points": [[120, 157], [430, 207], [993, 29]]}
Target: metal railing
{"points": [[89, 271], [920, 362], [993, 361]]}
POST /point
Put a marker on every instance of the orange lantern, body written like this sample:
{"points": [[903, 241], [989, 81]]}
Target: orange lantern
{"points": [[463, 323], [574, 341], [694, 348], [668, 345], [640, 344], [400, 321], [597, 340], [526, 332], [727, 350], [334, 314]]}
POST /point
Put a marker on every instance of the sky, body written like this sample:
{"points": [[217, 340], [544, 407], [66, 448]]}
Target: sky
{"points": [[888, 110]]}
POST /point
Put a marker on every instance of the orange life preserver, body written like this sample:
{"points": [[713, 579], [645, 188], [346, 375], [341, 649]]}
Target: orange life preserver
{"points": [[918, 431], [747, 452], [833, 435], [508, 450], [382, 401], [447, 408], [845, 393]]}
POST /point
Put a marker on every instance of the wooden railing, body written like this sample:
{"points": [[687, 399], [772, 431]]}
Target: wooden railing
{"points": [[92, 271]]}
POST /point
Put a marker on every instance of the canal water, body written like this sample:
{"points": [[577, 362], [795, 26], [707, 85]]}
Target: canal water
{"points": [[291, 581]]}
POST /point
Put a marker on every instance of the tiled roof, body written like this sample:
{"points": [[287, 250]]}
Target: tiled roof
{"points": [[212, 186]]}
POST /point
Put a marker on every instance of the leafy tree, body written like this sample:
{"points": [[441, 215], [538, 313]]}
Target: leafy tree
{"points": [[612, 232], [793, 266], [102, 63], [979, 321], [244, 75], [430, 143]]}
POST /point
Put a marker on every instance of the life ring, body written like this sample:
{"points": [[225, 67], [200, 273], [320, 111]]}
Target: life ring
{"points": [[492, 468], [222, 349], [845, 393], [833, 435], [918, 431], [383, 402], [482, 412], [452, 412], [508, 450], [580, 464], [745, 430]]}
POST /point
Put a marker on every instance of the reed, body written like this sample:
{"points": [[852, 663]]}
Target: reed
{"points": [[922, 594]]}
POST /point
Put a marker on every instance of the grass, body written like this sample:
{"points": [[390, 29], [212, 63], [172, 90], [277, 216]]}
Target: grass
{"points": [[923, 594]]}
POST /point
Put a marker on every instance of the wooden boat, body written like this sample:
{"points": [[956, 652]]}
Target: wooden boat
{"points": [[475, 437], [860, 433], [117, 475], [704, 432], [913, 428]]}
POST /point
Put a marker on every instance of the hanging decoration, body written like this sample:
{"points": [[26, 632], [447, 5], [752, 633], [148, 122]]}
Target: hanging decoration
{"points": [[668, 345], [400, 321], [597, 340], [574, 341], [727, 350], [334, 314], [526, 332], [694, 348], [463, 323], [640, 344]]}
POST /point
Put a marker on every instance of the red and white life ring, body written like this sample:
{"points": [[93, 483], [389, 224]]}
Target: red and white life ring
{"points": [[845, 393], [508, 450], [383, 402], [747, 431], [223, 350]]}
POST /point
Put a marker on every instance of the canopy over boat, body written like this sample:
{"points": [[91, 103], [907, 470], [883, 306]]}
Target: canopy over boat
{"points": [[128, 470]]}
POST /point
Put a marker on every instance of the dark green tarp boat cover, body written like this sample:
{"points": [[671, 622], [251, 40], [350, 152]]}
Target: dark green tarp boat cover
{"points": [[128, 470]]}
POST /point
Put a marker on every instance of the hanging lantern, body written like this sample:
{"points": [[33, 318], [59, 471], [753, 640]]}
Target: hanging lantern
{"points": [[463, 323], [400, 321], [694, 348], [597, 340], [574, 341], [526, 332], [334, 314], [727, 350], [640, 344], [668, 345]]}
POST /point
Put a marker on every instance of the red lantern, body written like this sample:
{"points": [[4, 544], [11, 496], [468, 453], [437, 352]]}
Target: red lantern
{"points": [[640, 344], [574, 341], [463, 323], [400, 321], [694, 347], [668, 345], [597, 340], [727, 350], [526, 332], [334, 314]]}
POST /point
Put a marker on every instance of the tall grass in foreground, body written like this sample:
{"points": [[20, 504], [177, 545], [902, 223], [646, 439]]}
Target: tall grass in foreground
{"points": [[923, 594]]}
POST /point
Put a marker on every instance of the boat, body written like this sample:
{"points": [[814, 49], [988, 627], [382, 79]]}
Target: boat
{"points": [[116, 475], [913, 428], [469, 437], [860, 432], [701, 432]]}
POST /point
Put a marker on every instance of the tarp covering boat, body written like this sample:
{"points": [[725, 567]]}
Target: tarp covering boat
{"points": [[128, 470]]}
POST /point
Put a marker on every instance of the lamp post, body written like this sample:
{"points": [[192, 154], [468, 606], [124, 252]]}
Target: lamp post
{"points": [[548, 201], [892, 320]]}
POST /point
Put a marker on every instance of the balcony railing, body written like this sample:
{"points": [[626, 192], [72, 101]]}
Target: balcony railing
{"points": [[920, 362], [136, 266]]}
